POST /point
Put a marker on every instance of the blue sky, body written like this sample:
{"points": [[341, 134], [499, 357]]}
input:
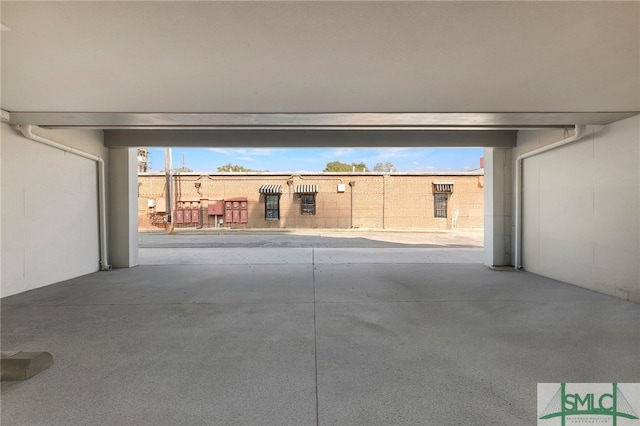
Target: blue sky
{"points": [[315, 159]]}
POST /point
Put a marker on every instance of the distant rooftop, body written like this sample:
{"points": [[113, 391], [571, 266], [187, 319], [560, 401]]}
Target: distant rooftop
{"points": [[476, 172]]}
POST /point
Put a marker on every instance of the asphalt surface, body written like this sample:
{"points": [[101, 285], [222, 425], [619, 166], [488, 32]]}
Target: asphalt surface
{"points": [[309, 247], [313, 239]]}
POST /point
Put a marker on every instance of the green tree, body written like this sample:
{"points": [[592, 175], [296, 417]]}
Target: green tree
{"points": [[234, 168], [182, 169], [338, 166], [386, 167]]}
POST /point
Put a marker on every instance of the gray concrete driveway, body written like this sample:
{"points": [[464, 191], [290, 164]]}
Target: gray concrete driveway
{"points": [[336, 342]]}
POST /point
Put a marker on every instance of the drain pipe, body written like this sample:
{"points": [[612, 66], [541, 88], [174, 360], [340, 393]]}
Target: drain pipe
{"points": [[352, 184], [578, 134], [27, 131]]}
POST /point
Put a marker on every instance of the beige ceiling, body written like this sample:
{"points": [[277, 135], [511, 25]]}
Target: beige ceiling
{"points": [[321, 56]]}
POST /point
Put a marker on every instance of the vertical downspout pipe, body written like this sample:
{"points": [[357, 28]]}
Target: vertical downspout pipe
{"points": [[27, 132], [351, 185], [384, 197], [579, 132]]}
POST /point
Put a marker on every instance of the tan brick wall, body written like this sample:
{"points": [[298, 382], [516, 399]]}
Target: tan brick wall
{"points": [[380, 201]]}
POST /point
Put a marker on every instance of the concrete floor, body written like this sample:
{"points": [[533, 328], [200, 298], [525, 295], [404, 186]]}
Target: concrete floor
{"points": [[337, 337]]}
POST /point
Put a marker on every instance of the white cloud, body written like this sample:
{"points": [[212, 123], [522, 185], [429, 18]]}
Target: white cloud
{"points": [[261, 152], [236, 152], [223, 151], [391, 153], [339, 152], [246, 154]]}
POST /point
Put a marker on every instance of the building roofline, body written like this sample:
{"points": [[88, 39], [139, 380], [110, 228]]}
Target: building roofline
{"points": [[476, 172]]}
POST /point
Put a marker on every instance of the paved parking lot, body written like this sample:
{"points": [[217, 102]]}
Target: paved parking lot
{"points": [[309, 246], [310, 238]]}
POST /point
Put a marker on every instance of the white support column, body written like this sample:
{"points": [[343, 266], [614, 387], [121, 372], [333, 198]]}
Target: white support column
{"points": [[497, 206], [123, 207]]}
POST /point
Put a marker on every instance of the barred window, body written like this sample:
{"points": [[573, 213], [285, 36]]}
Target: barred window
{"points": [[440, 205], [272, 207], [308, 204]]}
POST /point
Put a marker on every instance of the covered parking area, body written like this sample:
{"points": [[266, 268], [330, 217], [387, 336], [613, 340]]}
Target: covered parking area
{"points": [[346, 331], [332, 339]]}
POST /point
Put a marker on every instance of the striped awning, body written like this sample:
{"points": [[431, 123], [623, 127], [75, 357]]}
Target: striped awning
{"points": [[306, 189], [270, 189], [442, 186]]}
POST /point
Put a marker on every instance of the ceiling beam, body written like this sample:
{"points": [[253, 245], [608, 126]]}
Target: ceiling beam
{"points": [[312, 121], [309, 138]]}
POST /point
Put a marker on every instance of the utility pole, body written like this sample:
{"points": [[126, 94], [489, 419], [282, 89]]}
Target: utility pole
{"points": [[169, 198]]}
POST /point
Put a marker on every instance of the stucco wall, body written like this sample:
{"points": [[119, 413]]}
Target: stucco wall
{"points": [[581, 215], [49, 209]]}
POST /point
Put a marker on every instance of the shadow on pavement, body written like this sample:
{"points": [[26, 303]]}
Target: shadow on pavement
{"points": [[287, 240]]}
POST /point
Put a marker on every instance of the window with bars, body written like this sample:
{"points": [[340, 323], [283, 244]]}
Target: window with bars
{"points": [[440, 205], [272, 207], [308, 204]]}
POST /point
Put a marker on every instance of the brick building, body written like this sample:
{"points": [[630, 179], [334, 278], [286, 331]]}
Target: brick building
{"points": [[314, 200]]}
